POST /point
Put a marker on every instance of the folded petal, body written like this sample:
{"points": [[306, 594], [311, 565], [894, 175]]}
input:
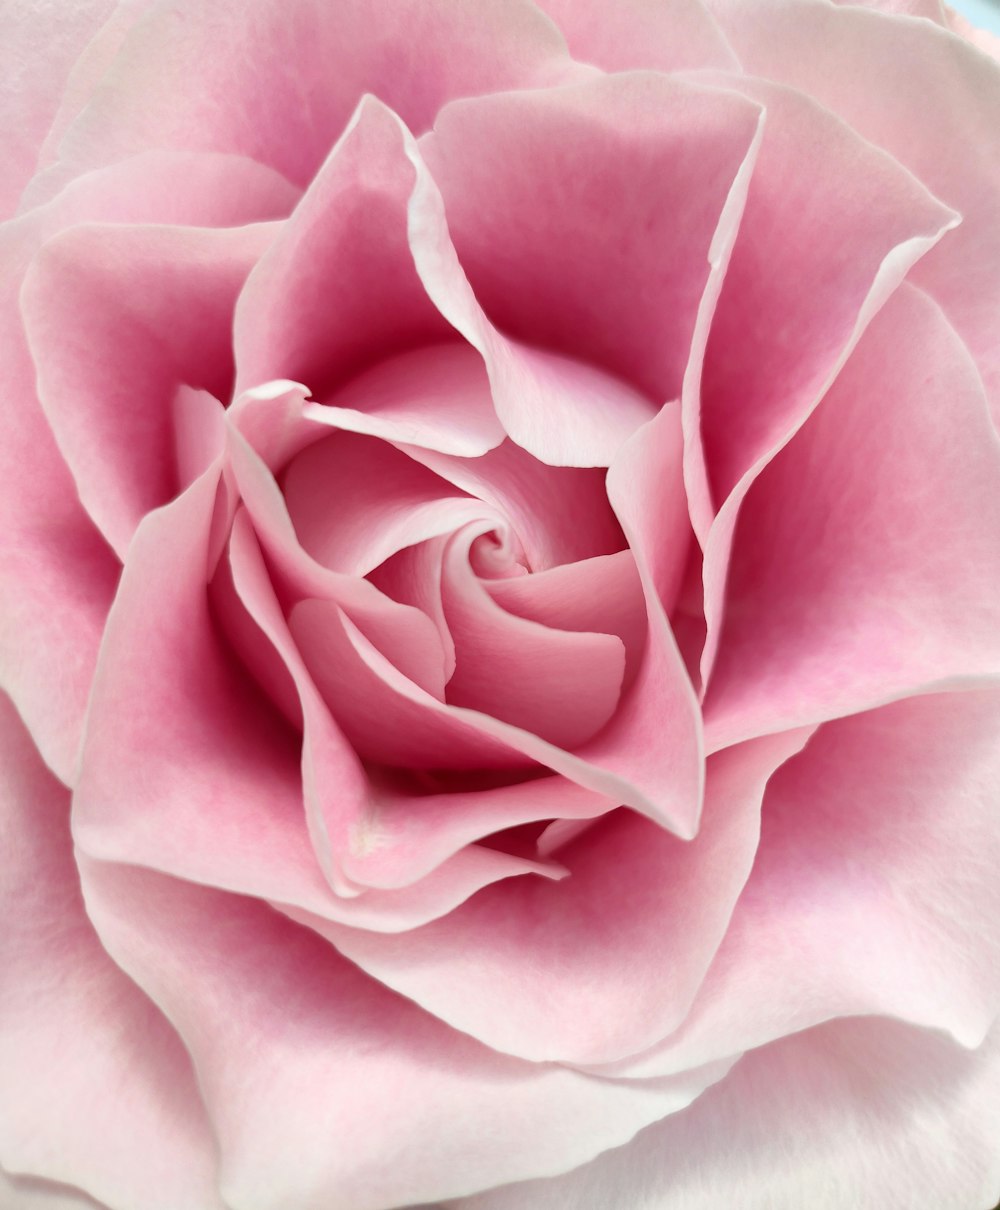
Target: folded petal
{"points": [[314, 1073], [97, 1091], [873, 890], [641, 33], [791, 300], [39, 49], [865, 1113], [952, 146], [61, 572], [574, 972], [866, 556], [560, 684], [526, 180], [264, 88], [117, 319]]}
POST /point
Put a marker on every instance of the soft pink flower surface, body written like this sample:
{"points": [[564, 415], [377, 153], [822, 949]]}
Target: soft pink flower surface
{"points": [[499, 606]]}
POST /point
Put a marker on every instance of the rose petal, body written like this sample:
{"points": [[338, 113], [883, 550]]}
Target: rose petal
{"points": [[558, 514], [882, 518], [896, 63], [641, 33], [437, 397], [526, 180], [37, 53], [573, 972], [233, 85], [562, 685], [355, 501], [298, 1054], [61, 574], [864, 1113], [873, 891], [117, 318], [97, 1091], [791, 299]]}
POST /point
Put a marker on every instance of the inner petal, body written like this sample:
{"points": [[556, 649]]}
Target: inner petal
{"points": [[561, 685]]}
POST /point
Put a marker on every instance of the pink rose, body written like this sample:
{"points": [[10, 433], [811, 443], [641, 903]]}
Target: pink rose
{"points": [[500, 606]]}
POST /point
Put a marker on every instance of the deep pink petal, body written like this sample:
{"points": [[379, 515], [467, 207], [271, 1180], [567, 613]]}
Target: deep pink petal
{"points": [[314, 1073], [867, 555], [61, 573], [867, 1114], [97, 1089], [117, 319]]}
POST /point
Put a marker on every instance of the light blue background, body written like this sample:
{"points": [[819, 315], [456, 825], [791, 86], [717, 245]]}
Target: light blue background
{"points": [[984, 13]]}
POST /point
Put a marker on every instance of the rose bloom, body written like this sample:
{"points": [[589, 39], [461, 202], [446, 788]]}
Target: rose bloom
{"points": [[500, 605]]}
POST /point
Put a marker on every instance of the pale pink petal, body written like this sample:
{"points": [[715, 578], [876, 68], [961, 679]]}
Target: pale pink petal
{"points": [[791, 299], [117, 318], [574, 971], [338, 291], [438, 396], [185, 766], [951, 144], [39, 47], [272, 420], [209, 79], [867, 1114], [603, 594], [655, 739], [596, 330], [562, 685], [560, 514], [348, 820], [641, 33], [61, 574], [97, 1090], [410, 829], [355, 501], [874, 890], [314, 1073], [867, 555], [34, 1193]]}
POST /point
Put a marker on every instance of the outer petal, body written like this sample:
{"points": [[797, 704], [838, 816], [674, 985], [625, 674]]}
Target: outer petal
{"points": [[97, 1089], [526, 180], [867, 554], [117, 319], [877, 71], [866, 1114], [642, 33], [873, 890], [574, 972], [39, 47], [207, 78], [59, 574], [314, 1074]]}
